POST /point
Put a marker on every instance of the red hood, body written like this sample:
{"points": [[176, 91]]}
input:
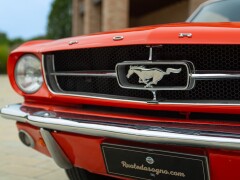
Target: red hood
{"points": [[202, 33]]}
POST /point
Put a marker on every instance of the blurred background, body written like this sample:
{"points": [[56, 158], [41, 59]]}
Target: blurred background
{"points": [[26, 20]]}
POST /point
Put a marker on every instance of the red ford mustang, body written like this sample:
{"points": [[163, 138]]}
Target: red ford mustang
{"points": [[157, 102]]}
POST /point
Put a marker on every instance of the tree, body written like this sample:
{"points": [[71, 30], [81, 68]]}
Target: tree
{"points": [[4, 51], [3, 38], [13, 43], [60, 19]]}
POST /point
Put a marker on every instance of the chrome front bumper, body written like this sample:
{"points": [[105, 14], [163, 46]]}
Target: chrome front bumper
{"points": [[147, 134]]}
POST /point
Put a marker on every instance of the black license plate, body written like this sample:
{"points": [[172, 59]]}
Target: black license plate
{"points": [[140, 163]]}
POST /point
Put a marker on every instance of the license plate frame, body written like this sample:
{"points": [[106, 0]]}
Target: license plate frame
{"points": [[135, 162]]}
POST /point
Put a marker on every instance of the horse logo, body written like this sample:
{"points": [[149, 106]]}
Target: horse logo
{"points": [[151, 76]]}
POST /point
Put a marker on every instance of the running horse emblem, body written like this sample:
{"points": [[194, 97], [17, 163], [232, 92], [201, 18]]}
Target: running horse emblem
{"points": [[151, 76]]}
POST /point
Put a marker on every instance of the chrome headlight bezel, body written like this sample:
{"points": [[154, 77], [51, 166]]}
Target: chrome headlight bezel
{"points": [[28, 73]]}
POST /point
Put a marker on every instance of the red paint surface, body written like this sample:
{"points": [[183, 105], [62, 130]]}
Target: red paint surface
{"points": [[85, 152], [203, 33], [35, 134]]}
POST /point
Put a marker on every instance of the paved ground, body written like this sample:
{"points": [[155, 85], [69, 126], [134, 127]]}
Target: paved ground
{"points": [[18, 162]]}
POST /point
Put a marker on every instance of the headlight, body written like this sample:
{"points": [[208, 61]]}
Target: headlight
{"points": [[28, 74]]}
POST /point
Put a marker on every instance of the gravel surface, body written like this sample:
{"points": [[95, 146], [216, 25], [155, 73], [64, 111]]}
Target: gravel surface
{"points": [[18, 162]]}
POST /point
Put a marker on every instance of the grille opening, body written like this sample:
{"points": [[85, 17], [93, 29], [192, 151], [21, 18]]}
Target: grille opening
{"points": [[204, 57], [140, 112], [107, 86], [204, 90], [216, 117], [168, 114], [98, 58]]}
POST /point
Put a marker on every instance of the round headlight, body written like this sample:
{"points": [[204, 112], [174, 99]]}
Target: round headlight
{"points": [[28, 74]]}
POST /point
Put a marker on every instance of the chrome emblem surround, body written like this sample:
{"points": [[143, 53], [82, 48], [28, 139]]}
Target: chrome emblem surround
{"points": [[150, 77], [155, 74]]}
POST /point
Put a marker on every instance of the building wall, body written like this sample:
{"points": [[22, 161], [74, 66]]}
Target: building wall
{"points": [[92, 17], [173, 13], [89, 17], [77, 21], [115, 14]]}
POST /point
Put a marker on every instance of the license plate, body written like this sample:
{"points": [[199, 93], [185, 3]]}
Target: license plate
{"points": [[140, 163]]}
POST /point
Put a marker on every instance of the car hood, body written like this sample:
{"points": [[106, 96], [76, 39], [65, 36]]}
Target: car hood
{"points": [[202, 33]]}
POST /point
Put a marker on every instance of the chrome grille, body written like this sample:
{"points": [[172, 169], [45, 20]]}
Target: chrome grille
{"points": [[91, 71]]}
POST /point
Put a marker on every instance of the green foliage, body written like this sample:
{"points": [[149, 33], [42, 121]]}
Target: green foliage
{"points": [[4, 51], [15, 42], [5, 46], [59, 26], [59, 20], [3, 38]]}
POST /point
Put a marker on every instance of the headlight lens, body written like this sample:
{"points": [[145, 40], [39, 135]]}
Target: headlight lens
{"points": [[28, 74]]}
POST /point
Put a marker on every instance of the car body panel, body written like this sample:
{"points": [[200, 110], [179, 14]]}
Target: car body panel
{"points": [[84, 150], [203, 33], [216, 33]]}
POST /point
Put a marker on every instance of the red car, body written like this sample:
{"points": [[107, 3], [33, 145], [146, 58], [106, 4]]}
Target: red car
{"points": [[157, 102]]}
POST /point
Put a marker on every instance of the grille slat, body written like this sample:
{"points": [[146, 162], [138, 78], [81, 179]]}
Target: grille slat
{"points": [[204, 57], [99, 86]]}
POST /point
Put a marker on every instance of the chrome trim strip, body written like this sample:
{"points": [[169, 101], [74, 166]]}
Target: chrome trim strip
{"points": [[215, 76], [87, 74], [118, 38], [130, 133], [55, 77], [14, 112], [55, 150], [188, 65], [15, 118], [182, 35], [150, 53]]}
